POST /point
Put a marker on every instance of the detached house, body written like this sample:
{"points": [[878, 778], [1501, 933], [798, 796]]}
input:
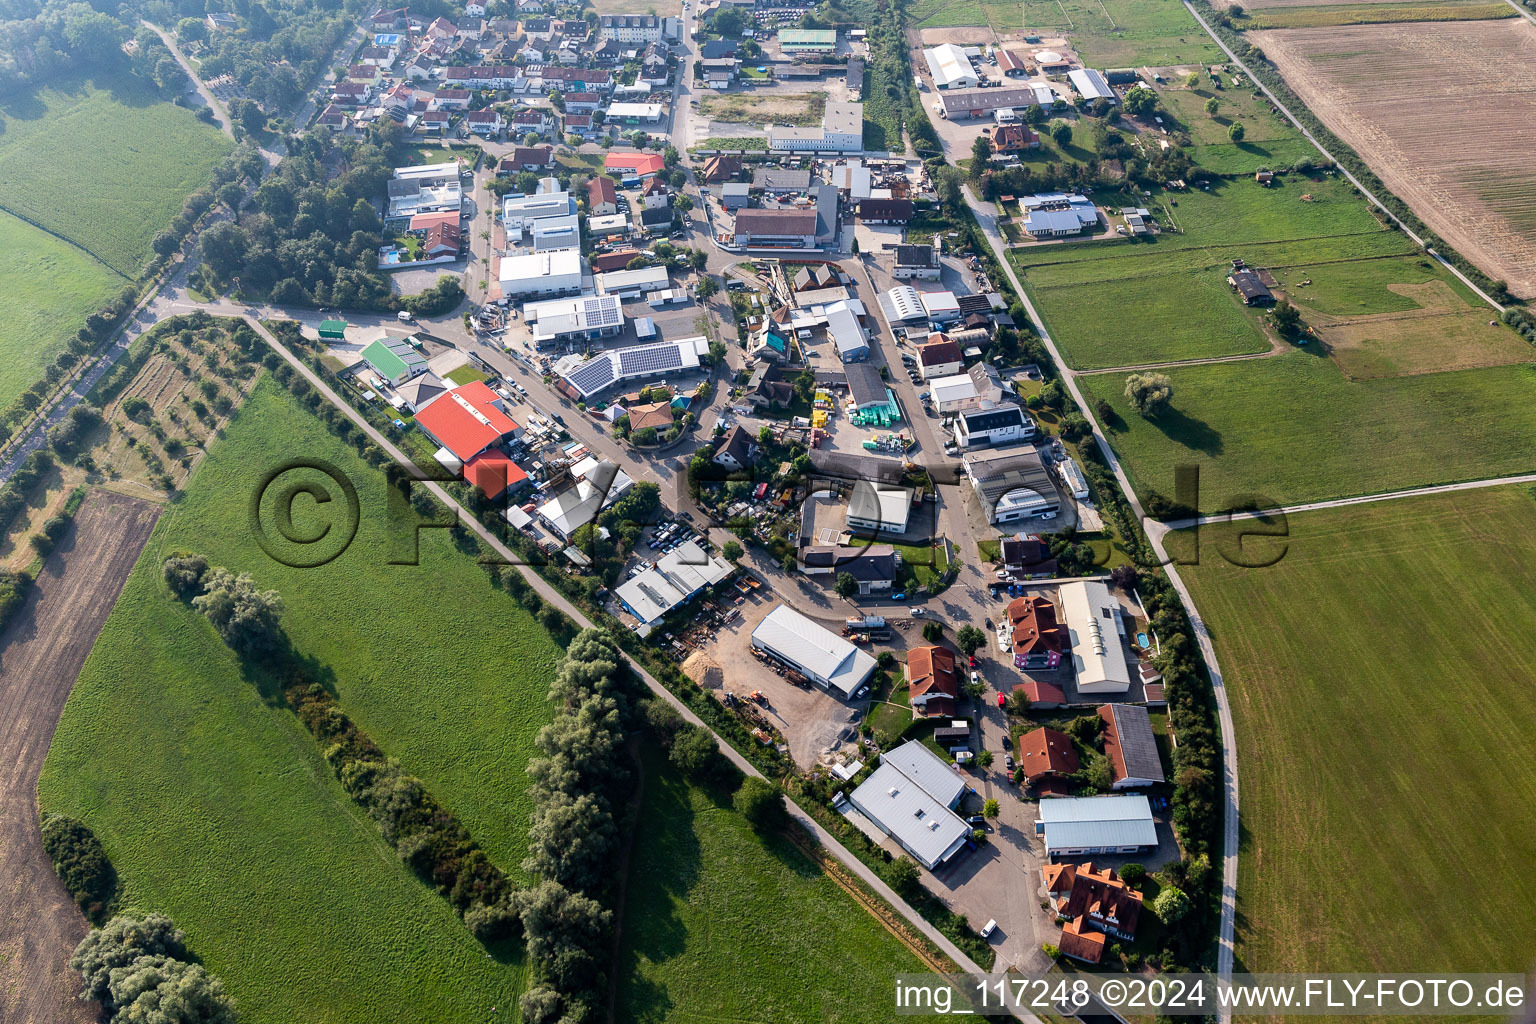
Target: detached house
{"points": [[484, 122], [1039, 639], [737, 449], [931, 681]]}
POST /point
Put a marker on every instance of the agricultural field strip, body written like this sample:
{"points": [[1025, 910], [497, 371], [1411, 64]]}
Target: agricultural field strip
{"points": [[1140, 262], [1367, 193], [553, 596]]}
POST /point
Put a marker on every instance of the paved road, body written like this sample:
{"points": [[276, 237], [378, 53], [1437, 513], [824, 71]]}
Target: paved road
{"points": [[554, 597], [986, 216], [1342, 170]]}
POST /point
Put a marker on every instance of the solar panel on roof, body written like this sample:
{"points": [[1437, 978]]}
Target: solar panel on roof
{"points": [[593, 375], [649, 359]]}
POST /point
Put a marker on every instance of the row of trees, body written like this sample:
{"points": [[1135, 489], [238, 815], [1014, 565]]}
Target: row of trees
{"points": [[246, 618], [81, 864], [141, 973]]}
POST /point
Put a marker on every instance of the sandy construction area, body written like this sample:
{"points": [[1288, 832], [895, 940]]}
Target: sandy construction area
{"points": [[1444, 113], [40, 655]]}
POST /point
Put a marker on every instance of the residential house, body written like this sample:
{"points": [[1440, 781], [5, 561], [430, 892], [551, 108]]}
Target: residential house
{"points": [[602, 196], [1047, 758], [939, 357], [484, 123], [1027, 558], [1092, 903], [536, 122], [719, 169], [1013, 138], [630, 28], [717, 49], [654, 194], [932, 686], [449, 99], [1038, 640], [580, 125], [582, 102], [737, 449], [527, 158], [872, 566], [1042, 694]]}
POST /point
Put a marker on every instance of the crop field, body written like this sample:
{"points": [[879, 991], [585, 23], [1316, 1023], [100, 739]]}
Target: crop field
{"points": [[1319, 16], [1459, 154], [105, 166], [1105, 33], [1380, 681], [720, 923], [49, 288], [1293, 429], [214, 803], [1268, 139]]}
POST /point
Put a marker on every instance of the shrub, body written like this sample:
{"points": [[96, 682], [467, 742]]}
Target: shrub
{"points": [[1133, 873], [81, 864], [761, 803], [246, 618]]}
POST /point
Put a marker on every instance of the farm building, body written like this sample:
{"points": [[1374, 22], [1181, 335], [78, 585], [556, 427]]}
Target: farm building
{"points": [[898, 804], [1253, 291], [1098, 649], [1010, 63], [1096, 825], [1091, 85], [816, 652], [963, 106], [394, 359], [1130, 746], [673, 581], [1050, 217], [950, 67]]}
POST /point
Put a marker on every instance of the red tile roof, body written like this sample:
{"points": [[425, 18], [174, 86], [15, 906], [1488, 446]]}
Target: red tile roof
{"points": [[1098, 899], [937, 353], [424, 221], [1045, 752], [493, 473], [600, 190], [639, 163], [466, 420], [1042, 693], [1079, 944], [1035, 627], [932, 670]]}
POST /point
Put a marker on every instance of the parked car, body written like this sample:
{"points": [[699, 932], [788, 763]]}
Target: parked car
{"points": [[404, 315], [976, 820], [988, 929], [1007, 742]]}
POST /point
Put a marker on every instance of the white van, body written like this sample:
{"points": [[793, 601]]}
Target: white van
{"points": [[991, 927]]}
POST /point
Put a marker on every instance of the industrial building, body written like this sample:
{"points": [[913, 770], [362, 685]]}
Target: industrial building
{"points": [[963, 106], [876, 509], [808, 40], [917, 261], [1098, 637], [903, 305], [582, 379], [1130, 746], [594, 485], [950, 67], [628, 284], [394, 359], [782, 229], [993, 427], [1096, 825], [1012, 484], [1055, 215], [540, 274], [673, 581], [841, 131], [583, 318], [911, 798], [811, 649]]}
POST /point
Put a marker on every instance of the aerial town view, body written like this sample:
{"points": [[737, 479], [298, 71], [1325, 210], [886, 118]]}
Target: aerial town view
{"points": [[767, 511]]}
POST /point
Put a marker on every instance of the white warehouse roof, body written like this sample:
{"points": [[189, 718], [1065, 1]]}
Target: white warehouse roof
{"points": [[958, 388], [925, 828], [1097, 823], [949, 66], [676, 577], [1090, 84], [1098, 653], [903, 303], [928, 770], [813, 649]]}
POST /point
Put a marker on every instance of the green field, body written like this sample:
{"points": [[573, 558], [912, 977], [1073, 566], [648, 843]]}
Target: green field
{"points": [[213, 802], [103, 165], [1105, 33], [721, 925], [49, 288], [1268, 140], [1363, 286], [1380, 682], [1292, 429], [1324, 15]]}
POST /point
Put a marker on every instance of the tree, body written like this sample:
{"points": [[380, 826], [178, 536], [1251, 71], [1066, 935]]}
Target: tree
{"points": [[80, 862], [990, 808], [698, 259], [788, 563], [1287, 318], [223, 246], [981, 154], [191, 30], [696, 754], [93, 36], [1133, 873], [1140, 101], [1236, 132], [845, 585], [707, 287], [985, 758], [169, 76], [970, 639], [732, 551], [1171, 905], [932, 631], [902, 875], [1192, 79], [118, 944], [1212, 105], [1061, 132], [1148, 393], [728, 21], [761, 803], [246, 618], [164, 990], [669, 156], [184, 574]]}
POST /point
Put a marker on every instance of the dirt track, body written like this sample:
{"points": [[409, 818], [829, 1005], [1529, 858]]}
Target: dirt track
{"points": [[40, 655]]}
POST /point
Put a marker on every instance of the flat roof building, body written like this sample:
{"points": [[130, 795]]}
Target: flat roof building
{"points": [[876, 509], [1012, 484], [582, 379], [810, 648], [673, 581], [808, 40], [640, 281], [1096, 825], [841, 131], [534, 274], [583, 318]]}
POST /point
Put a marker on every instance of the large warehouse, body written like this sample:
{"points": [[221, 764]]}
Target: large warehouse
{"points": [[1012, 484], [813, 650], [910, 798], [1093, 826], [1098, 648], [950, 67], [677, 577]]}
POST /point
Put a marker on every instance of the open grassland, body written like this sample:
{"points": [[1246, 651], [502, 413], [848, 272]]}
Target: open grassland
{"points": [[1293, 429], [1268, 140], [1459, 154], [1105, 33], [1123, 303], [1380, 681], [214, 803], [1321, 15], [47, 289], [721, 924], [104, 165], [1368, 286], [882, 122]]}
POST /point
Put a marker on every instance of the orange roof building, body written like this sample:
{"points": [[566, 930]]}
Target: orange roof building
{"points": [[931, 683], [1039, 694], [1039, 638], [1047, 758], [1091, 903]]}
